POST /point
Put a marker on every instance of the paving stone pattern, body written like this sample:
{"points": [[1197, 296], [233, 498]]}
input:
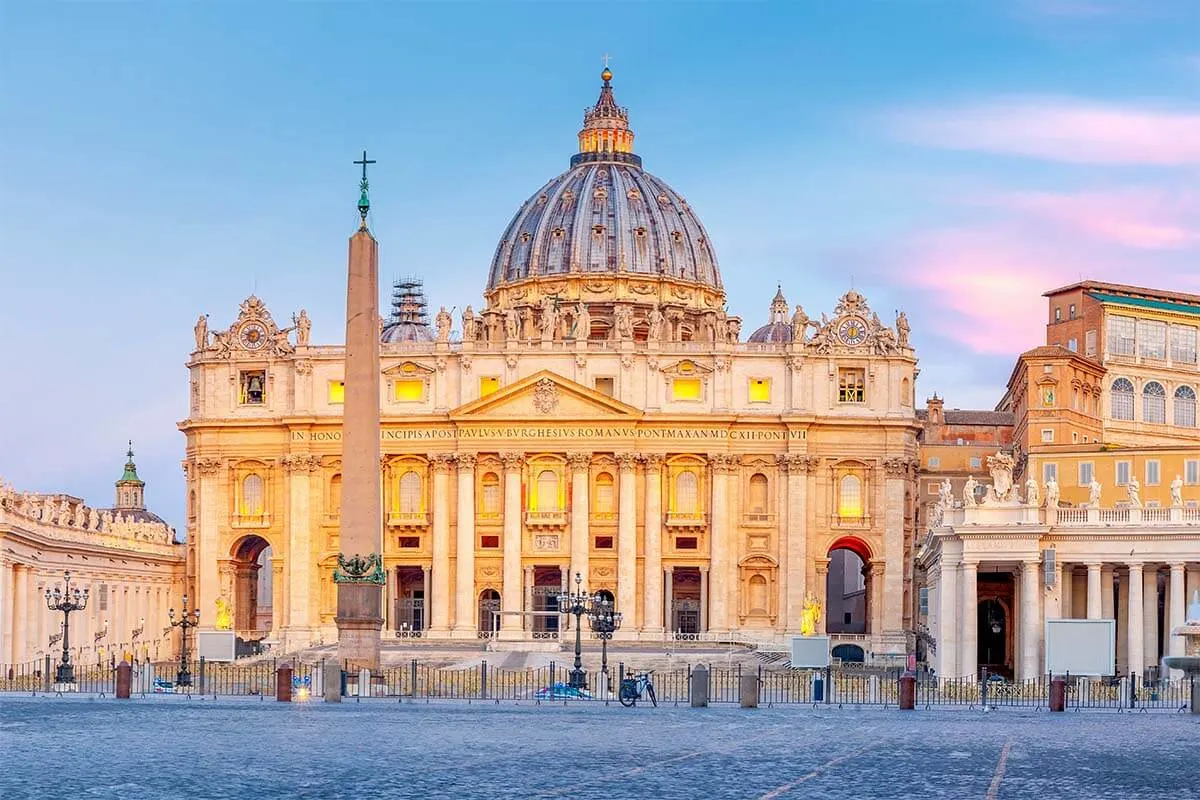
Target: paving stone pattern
{"points": [[172, 747]]}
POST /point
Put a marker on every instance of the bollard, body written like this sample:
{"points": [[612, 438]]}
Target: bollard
{"points": [[698, 691], [364, 682], [908, 692], [332, 681], [283, 684], [124, 680], [748, 690], [1058, 695]]}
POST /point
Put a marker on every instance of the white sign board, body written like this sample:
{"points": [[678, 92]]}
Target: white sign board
{"points": [[1081, 646], [215, 645], [810, 651]]}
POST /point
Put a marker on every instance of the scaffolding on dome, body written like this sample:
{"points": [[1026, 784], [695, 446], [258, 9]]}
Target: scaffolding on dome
{"points": [[410, 313]]}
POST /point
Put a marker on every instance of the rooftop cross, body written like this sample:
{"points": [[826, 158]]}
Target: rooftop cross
{"points": [[364, 203], [364, 161], [606, 57]]}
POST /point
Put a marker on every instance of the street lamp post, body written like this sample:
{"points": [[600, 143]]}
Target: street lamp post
{"points": [[604, 622], [577, 603], [185, 621], [66, 600]]}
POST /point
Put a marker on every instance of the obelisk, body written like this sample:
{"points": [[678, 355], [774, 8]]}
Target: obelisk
{"points": [[360, 576]]}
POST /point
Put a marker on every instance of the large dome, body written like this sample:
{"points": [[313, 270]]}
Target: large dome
{"points": [[605, 215]]}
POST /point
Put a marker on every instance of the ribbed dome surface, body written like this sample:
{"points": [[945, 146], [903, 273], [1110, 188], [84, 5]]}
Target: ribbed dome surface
{"points": [[605, 217]]}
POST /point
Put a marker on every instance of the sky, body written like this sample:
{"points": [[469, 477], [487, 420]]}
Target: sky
{"points": [[953, 158]]}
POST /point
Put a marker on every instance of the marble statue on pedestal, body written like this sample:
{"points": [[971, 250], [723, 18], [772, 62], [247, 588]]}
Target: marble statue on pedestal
{"points": [[1031, 492], [1135, 492], [303, 328], [442, 323], [1094, 493], [655, 320], [810, 615], [969, 491], [470, 332], [946, 494], [1177, 492], [202, 333], [1051, 493]]}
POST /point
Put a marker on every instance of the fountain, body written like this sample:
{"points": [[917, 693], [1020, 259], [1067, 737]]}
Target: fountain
{"points": [[1190, 661]]}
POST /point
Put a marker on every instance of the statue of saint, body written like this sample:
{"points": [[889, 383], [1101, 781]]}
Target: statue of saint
{"points": [[624, 323], [80, 516], [1094, 493], [1135, 492], [512, 325], [583, 322], [442, 322], [470, 332], [655, 321], [735, 330], [303, 328], [1177, 492], [93, 522], [1031, 492], [202, 333], [902, 329], [810, 616], [1051, 493], [800, 323], [224, 615], [946, 494], [549, 318], [969, 491]]}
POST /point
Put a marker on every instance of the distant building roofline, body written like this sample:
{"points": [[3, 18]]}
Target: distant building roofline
{"points": [[1121, 288]]}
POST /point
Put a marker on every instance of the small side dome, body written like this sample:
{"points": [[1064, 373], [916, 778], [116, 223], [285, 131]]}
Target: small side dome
{"points": [[778, 330]]}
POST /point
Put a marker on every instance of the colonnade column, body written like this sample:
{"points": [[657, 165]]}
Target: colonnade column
{"points": [[1178, 608], [527, 593], [1107, 592], [948, 614], [1031, 619], [1066, 589], [652, 581], [969, 643], [719, 545], [20, 612], [1135, 616], [876, 588], [437, 601], [6, 613], [511, 595], [797, 538], [580, 464], [464, 572], [627, 537], [705, 591], [1094, 606], [669, 599], [891, 615], [278, 597], [1150, 615]]}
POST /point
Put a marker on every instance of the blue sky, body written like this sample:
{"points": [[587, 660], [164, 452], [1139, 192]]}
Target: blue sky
{"points": [[951, 157]]}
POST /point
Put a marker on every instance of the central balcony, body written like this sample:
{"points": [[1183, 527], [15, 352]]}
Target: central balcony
{"points": [[686, 520], [408, 520], [546, 520]]}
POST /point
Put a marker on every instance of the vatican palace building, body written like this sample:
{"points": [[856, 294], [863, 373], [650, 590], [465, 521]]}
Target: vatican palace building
{"points": [[597, 413]]}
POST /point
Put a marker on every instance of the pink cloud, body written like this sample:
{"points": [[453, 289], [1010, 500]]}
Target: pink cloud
{"points": [[1142, 218], [1059, 129]]}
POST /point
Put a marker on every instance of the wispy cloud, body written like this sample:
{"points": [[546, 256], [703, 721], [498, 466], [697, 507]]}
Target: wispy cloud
{"points": [[1058, 129], [1139, 218]]}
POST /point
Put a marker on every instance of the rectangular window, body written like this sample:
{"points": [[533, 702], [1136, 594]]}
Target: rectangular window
{"points": [[1153, 470], [1049, 471], [604, 543], [1120, 335], [1074, 437], [685, 389], [409, 542], [1071, 311], [605, 386], [923, 594], [760, 390], [408, 390], [1058, 313], [489, 542], [1089, 344], [252, 387], [934, 462], [488, 385], [1086, 473], [687, 543], [976, 462], [1123, 473], [1183, 344], [337, 392], [1073, 345], [1191, 472], [1152, 338], [852, 385], [102, 596], [932, 488], [1047, 435]]}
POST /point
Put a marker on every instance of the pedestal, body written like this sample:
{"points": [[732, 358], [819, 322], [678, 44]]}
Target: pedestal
{"points": [[359, 624]]}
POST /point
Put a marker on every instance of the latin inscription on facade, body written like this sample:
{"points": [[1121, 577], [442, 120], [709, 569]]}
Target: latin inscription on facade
{"points": [[526, 432]]}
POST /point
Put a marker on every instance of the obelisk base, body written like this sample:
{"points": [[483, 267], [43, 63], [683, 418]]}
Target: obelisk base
{"points": [[359, 625]]}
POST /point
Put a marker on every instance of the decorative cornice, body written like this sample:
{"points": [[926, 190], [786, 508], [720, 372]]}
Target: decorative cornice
{"points": [[208, 466]]}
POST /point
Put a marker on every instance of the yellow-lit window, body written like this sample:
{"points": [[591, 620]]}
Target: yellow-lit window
{"points": [[337, 392], [850, 497], [685, 389], [252, 496], [687, 493], [852, 385], [410, 493], [760, 390], [408, 390], [547, 491], [488, 386]]}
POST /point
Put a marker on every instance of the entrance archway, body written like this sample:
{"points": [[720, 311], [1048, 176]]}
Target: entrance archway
{"points": [[849, 653], [993, 631], [253, 615], [547, 586], [489, 611], [847, 606]]}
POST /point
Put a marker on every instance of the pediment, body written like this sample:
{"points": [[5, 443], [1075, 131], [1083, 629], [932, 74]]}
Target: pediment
{"points": [[545, 396], [408, 369], [687, 368]]}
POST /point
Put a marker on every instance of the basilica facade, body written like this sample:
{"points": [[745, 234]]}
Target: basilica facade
{"points": [[600, 418]]}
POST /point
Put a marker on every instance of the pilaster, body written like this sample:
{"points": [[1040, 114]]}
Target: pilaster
{"points": [[579, 464], [464, 573], [627, 537], [511, 594], [438, 600], [653, 602]]}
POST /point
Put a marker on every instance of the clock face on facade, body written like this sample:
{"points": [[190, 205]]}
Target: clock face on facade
{"points": [[852, 331], [253, 335]]}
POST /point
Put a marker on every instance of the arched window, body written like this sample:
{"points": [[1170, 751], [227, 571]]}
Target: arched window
{"points": [[192, 503], [335, 494], [687, 493], [604, 493], [1154, 402], [758, 595], [410, 493], [1122, 399], [1185, 407], [252, 496], [758, 493], [906, 398], [850, 497], [547, 490], [491, 493]]}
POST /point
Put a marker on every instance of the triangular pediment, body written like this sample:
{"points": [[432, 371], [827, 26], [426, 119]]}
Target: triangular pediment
{"points": [[545, 395]]}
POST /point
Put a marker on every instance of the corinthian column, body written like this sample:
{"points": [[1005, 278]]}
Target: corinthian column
{"points": [[652, 579], [1031, 620], [579, 463], [511, 596], [627, 538], [299, 558], [438, 606], [896, 471], [720, 544], [464, 575], [796, 539]]}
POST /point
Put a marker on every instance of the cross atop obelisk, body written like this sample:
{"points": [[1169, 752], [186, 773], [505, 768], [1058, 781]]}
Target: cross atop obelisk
{"points": [[364, 202]]}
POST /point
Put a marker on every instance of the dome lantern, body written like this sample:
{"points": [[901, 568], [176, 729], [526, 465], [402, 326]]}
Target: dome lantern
{"points": [[606, 135]]}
